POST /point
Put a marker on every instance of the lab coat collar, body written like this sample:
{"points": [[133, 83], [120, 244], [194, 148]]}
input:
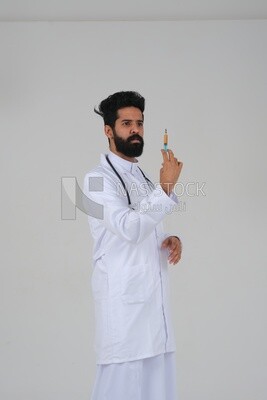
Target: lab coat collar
{"points": [[120, 162]]}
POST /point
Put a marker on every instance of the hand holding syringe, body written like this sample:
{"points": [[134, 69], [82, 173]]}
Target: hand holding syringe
{"points": [[171, 167]]}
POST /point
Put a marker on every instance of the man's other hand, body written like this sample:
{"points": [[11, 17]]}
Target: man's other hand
{"points": [[174, 245]]}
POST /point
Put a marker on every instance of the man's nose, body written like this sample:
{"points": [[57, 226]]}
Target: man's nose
{"points": [[135, 128]]}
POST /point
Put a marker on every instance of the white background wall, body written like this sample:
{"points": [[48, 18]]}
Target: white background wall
{"points": [[205, 82]]}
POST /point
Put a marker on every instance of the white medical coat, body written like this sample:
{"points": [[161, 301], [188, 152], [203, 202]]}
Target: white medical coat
{"points": [[130, 273]]}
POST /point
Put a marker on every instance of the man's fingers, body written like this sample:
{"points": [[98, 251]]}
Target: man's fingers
{"points": [[173, 159], [164, 155], [167, 155], [171, 155], [175, 259], [175, 251], [174, 256]]}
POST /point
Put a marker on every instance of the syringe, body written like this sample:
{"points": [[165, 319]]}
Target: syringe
{"points": [[165, 141]]}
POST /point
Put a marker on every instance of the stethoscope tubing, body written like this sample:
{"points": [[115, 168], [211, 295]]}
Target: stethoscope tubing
{"points": [[122, 181]]}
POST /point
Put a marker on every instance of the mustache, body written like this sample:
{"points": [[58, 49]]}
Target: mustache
{"points": [[135, 137]]}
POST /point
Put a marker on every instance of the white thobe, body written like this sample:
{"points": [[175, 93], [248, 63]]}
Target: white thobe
{"points": [[151, 378]]}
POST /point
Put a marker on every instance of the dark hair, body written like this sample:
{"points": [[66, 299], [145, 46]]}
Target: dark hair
{"points": [[108, 108]]}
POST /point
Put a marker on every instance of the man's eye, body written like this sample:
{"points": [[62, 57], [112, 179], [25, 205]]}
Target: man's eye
{"points": [[140, 123], [126, 123]]}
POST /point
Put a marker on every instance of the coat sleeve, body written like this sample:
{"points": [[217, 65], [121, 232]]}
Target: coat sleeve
{"points": [[128, 224]]}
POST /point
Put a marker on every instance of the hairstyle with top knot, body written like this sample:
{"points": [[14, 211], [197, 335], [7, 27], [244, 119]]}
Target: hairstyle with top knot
{"points": [[108, 107]]}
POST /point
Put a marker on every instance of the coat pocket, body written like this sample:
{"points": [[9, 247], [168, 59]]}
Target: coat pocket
{"points": [[137, 283]]}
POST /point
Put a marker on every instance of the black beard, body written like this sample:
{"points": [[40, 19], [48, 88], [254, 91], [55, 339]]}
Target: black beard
{"points": [[126, 147]]}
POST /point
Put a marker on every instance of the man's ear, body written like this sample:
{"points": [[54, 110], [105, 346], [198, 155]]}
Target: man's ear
{"points": [[108, 131]]}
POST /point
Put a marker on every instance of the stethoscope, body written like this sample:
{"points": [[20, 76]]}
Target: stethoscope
{"points": [[123, 183]]}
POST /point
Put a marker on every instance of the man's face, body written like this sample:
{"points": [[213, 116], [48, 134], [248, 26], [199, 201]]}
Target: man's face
{"points": [[128, 132]]}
